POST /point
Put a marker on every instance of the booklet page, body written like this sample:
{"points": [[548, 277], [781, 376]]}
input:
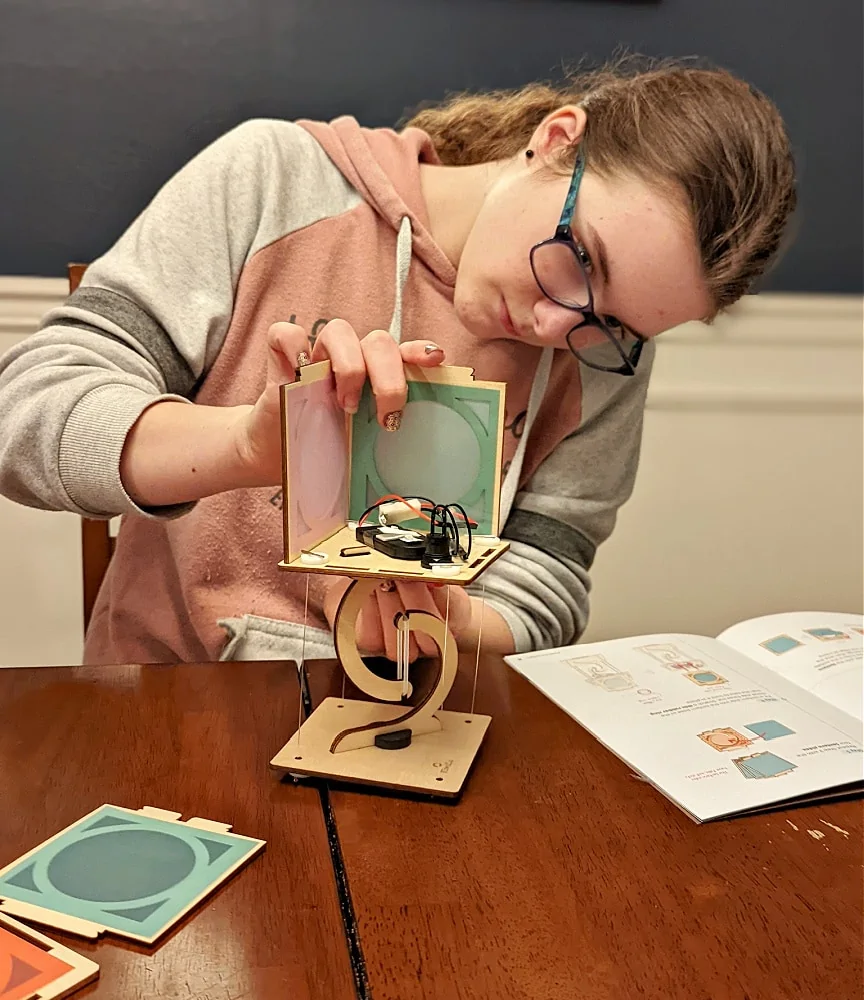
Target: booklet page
{"points": [[822, 652], [686, 712]]}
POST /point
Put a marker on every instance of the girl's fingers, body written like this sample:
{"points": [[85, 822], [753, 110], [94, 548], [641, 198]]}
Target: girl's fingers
{"points": [[370, 638], [417, 597], [288, 349], [422, 352], [339, 343], [386, 372], [460, 606]]}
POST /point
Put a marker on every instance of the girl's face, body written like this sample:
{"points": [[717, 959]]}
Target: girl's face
{"points": [[644, 268]]}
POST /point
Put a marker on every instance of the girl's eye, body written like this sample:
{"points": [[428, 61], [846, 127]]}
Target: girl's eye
{"points": [[583, 256], [614, 324]]}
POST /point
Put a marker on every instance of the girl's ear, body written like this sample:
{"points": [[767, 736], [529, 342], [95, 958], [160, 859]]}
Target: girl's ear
{"points": [[560, 129]]}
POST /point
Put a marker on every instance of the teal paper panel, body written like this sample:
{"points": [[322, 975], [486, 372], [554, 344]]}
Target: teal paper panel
{"points": [[131, 873], [446, 450]]}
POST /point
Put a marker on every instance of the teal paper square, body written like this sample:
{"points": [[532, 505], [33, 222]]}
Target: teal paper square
{"points": [[446, 450], [131, 873]]}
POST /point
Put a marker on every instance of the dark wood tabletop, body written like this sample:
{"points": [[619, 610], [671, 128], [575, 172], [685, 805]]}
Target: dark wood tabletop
{"points": [[560, 875], [194, 739]]}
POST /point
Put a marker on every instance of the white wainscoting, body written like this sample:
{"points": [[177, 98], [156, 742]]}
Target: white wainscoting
{"points": [[748, 500]]}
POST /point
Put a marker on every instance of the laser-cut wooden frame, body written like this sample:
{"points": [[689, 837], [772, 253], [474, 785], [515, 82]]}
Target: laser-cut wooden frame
{"points": [[93, 929], [82, 970], [338, 740]]}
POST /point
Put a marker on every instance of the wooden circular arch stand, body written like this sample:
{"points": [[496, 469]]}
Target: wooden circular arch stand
{"points": [[338, 740]]}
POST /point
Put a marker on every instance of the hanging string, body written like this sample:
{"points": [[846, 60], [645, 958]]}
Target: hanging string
{"points": [[446, 633], [404, 652], [479, 640], [302, 664]]}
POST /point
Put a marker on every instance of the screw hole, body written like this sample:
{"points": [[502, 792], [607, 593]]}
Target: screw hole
{"points": [[340, 706], [298, 758], [467, 722], [439, 779]]}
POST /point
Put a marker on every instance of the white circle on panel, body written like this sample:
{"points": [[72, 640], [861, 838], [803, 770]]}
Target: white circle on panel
{"points": [[323, 460], [434, 453]]}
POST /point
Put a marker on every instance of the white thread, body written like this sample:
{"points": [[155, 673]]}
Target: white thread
{"points": [[446, 633], [302, 663], [479, 640]]}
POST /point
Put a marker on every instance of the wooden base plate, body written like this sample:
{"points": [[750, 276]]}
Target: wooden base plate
{"points": [[434, 764]]}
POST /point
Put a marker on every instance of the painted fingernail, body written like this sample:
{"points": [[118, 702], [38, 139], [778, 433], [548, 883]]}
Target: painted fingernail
{"points": [[393, 421], [352, 404], [302, 359], [433, 349]]}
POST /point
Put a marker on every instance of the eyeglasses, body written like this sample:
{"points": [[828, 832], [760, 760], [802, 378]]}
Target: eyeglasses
{"points": [[562, 276]]}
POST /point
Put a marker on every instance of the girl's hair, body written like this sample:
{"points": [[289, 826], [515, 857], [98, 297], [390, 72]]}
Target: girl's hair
{"points": [[685, 129]]}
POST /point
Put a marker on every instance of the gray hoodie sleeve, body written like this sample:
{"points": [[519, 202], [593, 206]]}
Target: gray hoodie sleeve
{"points": [[151, 315], [540, 587]]}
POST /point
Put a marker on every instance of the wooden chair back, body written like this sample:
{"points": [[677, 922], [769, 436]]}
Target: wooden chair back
{"points": [[97, 542]]}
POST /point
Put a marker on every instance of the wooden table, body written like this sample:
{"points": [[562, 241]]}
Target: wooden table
{"points": [[560, 876], [194, 739]]}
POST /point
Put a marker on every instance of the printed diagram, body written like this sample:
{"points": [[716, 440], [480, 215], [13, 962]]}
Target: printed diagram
{"points": [[769, 730], [763, 765], [780, 644], [756, 765], [725, 739], [827, 634], [673, 659], [597, 670]]}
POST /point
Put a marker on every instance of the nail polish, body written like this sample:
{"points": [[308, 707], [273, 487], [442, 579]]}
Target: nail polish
{"points": [[393, 421], [302, 359], [433, 349]]}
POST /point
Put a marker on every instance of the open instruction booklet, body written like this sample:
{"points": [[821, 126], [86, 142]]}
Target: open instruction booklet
{"points": [[768, 713]]}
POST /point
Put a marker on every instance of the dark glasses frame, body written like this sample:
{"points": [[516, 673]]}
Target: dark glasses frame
{"points": [[564, 236]]}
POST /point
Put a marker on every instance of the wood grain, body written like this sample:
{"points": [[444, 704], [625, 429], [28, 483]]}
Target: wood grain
{"points": [[560, 875], [194, 739]]}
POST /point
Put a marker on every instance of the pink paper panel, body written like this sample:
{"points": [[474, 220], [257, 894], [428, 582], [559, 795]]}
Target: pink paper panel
{"points": [[317, 436]]}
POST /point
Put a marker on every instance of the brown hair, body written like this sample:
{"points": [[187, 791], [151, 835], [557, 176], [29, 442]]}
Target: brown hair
{"points": [[699, 131]]}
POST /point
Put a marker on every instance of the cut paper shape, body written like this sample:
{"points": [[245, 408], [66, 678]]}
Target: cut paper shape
{"points": [[598, 671], [133, 873], [827, 634], [315, 435], [705, 678], [33, 967], [723, 739], [448, 448], [780, 644], [763, 765], [770, 729]]}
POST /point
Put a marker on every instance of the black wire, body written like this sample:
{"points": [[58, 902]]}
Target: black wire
{"points": [[461, 510], [446, 521]]}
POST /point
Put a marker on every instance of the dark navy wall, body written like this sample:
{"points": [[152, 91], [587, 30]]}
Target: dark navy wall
{"points": [[101, 100]]}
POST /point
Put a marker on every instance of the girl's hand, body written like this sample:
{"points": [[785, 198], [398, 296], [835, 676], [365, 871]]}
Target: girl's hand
{"points": [[376, 629], [376, 357]]}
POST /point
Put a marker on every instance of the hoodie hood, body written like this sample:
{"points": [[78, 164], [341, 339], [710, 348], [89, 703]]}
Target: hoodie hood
{"points": [[384, 167]]}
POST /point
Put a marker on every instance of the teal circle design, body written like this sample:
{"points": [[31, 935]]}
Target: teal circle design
{"points": [[705, 675], [121, 866]]}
